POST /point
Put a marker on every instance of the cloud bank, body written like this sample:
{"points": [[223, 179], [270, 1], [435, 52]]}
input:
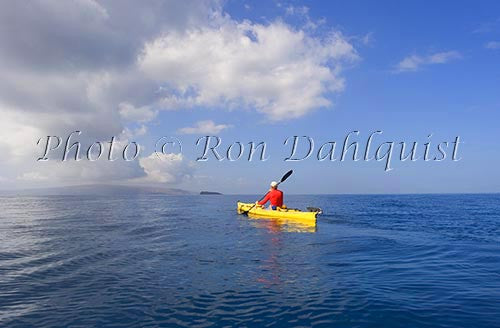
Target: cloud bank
{"points": [[106, 68]]}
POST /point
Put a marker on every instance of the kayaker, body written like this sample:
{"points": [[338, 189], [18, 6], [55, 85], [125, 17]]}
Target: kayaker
{"points": [[274, 196]]}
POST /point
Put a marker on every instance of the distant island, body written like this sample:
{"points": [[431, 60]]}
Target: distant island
{"points": [[210, 193]]}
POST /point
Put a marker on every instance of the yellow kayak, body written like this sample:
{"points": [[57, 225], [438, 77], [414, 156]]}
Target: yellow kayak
{"points": [[289, 214]]}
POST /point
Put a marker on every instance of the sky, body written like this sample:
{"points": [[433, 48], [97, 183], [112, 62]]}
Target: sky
{"points": [[252, 71]]}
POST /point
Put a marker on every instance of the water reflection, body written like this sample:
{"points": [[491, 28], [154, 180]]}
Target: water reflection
{"points": [[271, 269]]}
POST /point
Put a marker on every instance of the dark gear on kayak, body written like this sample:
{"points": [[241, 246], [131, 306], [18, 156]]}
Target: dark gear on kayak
{"points": [[274, 196]]}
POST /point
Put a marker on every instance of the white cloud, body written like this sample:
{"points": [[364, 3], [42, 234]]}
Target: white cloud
{"points": [[410, 63], [415, 62], [166, 168], [443, 57], [297, 10], [301, 15], [17, 138], [282, 72], [204, 127], [32, 176], [136, 114], [493, 45], [368, 39]]}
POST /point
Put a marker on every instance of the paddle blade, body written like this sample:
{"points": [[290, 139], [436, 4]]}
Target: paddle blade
{"points": [[289, 173]]}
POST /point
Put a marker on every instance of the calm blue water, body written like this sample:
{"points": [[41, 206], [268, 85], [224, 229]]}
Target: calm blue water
{"points": [[156, 260]]}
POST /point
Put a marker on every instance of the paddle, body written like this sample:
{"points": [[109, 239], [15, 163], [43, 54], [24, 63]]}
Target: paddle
{"points": [[287, 174]]}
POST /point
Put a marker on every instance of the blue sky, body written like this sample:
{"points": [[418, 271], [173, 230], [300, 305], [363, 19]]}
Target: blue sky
{"points": [[459, 98], [413, 68]]}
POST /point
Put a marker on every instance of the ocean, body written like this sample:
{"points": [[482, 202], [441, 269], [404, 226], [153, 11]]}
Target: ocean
{"points": [[190, 261]]}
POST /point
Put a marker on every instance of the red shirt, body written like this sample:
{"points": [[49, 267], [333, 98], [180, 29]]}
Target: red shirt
{"points": [[275, 196]]}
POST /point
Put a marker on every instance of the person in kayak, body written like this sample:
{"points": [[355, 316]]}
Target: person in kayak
{"points": [[274, 196]]}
